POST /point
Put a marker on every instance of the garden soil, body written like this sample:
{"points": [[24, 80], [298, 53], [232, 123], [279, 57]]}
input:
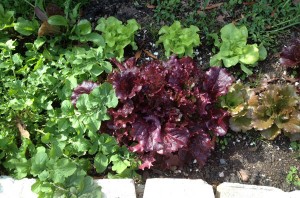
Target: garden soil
{"points": [[245, 158]]}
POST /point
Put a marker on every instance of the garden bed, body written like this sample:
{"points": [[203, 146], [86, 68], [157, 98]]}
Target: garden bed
{"points": [[69, 137]]}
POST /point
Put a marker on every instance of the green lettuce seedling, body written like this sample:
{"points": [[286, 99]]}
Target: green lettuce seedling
{"points": [[234, 49], [178, 40], [117, 36]]}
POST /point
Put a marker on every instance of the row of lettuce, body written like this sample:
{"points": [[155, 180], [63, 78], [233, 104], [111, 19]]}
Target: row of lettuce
{"points": [[67, 112]]}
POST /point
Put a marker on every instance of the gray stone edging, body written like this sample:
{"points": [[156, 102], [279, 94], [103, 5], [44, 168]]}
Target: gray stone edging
{"points": [[156, 188]]}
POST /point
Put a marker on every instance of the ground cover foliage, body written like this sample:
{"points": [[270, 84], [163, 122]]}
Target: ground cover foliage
{"points": [[73, 107]]}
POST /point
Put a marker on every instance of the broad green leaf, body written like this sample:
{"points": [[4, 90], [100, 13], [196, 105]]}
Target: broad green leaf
{"points": [[62, 169], [17, 59], [67, 107], [58, 20], [83, 103], [63, 124], [250, 54], [120, 165], [95, 38], [246, 69], [43, 176], [96, 70], [228, 62], [39, 42], [89, 189], [46, 138], [36, 186], [26, 27], [93, 122], [38, 161], [262, 52], [84, 27], [101, 162]]}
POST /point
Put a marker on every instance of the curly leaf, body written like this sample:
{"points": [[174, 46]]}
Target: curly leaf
{"points": [[271, 133], [238, 124], [217, 81]]}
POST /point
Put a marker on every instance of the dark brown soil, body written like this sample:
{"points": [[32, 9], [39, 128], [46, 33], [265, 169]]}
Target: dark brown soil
{"points": [[264, 162], [246, 158]]}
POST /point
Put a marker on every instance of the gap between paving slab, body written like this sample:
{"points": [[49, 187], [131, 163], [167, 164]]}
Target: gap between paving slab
{"points": [[156, 188]]}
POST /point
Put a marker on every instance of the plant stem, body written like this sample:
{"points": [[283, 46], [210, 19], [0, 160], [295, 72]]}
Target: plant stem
{"points": [[277, 30], [285, 21], [29, 3]]}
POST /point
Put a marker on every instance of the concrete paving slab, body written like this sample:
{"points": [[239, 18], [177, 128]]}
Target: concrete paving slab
{"points": [[235, 190], [111, 188], [117, 188], [10, 188], [177, 188]]}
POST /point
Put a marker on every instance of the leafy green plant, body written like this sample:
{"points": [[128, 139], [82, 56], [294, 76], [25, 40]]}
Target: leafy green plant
{"points": [[293, 177], [222, 142], [166, 10], [42, 134], [266, 20], [6, 18], [178, 40], [271, 110], [234, 49], [295, 146], [117, 36]]}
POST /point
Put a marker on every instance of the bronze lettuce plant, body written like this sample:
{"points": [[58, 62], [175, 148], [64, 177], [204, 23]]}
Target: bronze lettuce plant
{"points": [[236, 102], [276, 109], [271, 110]]}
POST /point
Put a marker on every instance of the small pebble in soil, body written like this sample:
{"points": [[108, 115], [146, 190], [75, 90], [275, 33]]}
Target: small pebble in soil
{"points": [[195, 161], [221, 174], [222, 161], [244, 175]]}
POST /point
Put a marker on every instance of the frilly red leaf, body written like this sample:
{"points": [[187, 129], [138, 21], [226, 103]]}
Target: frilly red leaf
{"points": [[167, 110]]}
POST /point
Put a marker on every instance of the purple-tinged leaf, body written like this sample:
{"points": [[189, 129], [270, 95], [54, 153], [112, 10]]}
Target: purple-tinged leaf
{"points": [[217, 82], [218, 122], [290, 55], [147, 131], [147, 161], [171, 110], [40, 14], [201, 147], [85, 87], [174, 138]]}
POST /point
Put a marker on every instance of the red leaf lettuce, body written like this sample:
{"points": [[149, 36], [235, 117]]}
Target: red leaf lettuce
{"points": [[167, 111]]}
